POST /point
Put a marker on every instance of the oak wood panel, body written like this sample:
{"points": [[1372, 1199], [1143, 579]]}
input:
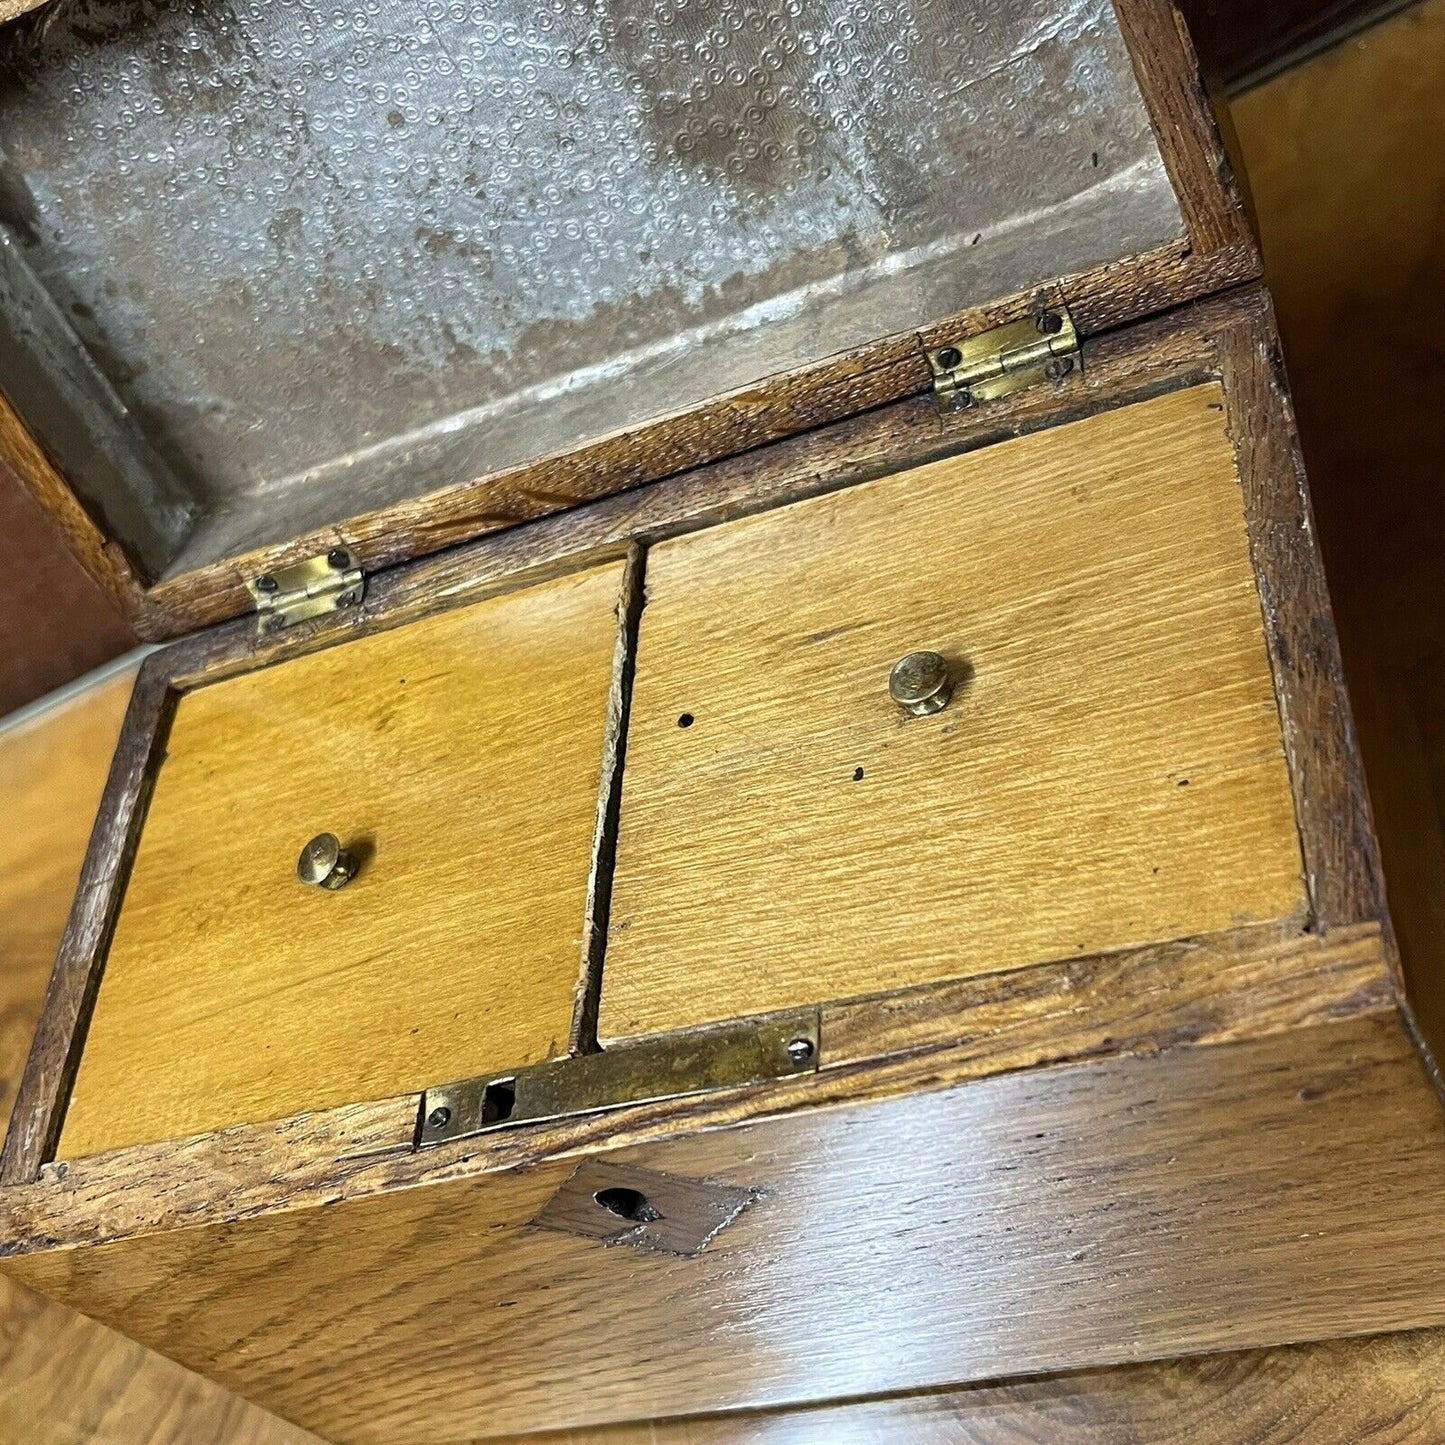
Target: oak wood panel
{"points": [[1343, 857], [1109, 773], [464, 756], [65, 1380], [1204, 990], [1383, 1391], [1262, 1192], [1195, 993]]}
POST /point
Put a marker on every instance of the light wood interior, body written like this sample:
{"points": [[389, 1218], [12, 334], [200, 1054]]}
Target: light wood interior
{"points": [[1110, 771], [464, 753]]}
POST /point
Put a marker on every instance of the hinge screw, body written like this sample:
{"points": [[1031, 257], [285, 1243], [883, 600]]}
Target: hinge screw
{"points": [[800, 1050], [439, 1118], [339, 558], [949, 357], [1050, 323], [266, 583]]}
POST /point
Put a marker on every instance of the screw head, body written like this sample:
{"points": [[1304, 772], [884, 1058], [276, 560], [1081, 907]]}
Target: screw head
{"points": [[266, 583], [324, 863], [800, 1050], [920, 684], [1050, 323], [949, 357], [439, 1117], [339, 558]]}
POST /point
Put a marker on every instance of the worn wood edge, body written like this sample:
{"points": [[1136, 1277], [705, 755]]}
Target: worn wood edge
{"points": [[1212, 989], [54, 1056], [587, 994], [1222, 989], [1185, 126], [104, 560], [1342, 864]]}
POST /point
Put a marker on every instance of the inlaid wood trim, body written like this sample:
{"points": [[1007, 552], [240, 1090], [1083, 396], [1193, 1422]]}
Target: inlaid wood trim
{"points": [[1191, 994]]}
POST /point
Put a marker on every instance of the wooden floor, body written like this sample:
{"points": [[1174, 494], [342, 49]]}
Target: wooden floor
{"points": [[1348, 167]]}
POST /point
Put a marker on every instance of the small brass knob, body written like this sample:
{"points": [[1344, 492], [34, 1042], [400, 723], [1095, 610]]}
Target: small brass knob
{"points": [[920, 684], [325, 863]]}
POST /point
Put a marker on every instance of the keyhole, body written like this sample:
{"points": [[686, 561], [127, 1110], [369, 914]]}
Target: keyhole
{"points": [[628, 1204]]}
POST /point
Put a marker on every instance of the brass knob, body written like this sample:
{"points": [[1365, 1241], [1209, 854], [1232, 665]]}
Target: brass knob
{"points": [[920, 684], [325, 863]]}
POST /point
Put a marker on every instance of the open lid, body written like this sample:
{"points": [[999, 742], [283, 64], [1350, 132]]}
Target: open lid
{"points": [[282, 275]]}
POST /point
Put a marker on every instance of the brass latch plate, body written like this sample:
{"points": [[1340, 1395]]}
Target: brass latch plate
{"points": [[309, 588], [700, 1061], [1043, 346]]}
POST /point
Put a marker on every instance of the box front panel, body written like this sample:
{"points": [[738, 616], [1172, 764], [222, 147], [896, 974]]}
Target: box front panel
{"points": [[1108, 771], [458, 760]]}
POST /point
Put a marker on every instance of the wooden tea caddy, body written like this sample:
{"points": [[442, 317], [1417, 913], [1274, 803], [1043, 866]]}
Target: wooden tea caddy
{"points": [[695, 1027]]}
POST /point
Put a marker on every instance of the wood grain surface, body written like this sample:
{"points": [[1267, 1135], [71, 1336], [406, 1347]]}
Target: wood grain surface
{"points": [[1109, 773], [1383, 1391], [463, 755], [1198, 993], [1261, 1192], [65, 1380], [1120, 367]]}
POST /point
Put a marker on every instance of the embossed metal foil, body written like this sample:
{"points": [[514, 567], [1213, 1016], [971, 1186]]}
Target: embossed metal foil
{"points": [[321, 255]]}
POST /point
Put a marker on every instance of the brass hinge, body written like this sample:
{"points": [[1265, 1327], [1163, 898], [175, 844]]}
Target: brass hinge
{"points": [[1041, 347], [721, 1056], [309, 588]]}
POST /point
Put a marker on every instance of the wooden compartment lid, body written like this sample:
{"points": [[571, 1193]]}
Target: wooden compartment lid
{"points": [[277, 277]]}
